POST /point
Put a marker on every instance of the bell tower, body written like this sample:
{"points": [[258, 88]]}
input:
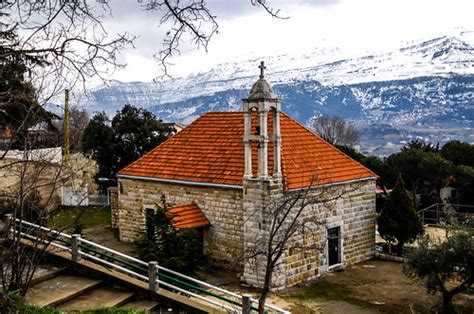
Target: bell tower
{"points": [[262, 100], [261, 187]]}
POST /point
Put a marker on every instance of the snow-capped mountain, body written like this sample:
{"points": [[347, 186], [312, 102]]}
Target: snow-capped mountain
{"points": [[421, 84], [439, 56]]}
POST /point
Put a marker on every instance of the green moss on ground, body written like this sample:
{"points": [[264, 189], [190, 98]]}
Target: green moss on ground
{"points": [[73, 219], [49, 310]]}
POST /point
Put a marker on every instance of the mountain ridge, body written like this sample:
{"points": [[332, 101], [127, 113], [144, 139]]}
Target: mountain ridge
{"points": [[422, 83], [407, 62]]}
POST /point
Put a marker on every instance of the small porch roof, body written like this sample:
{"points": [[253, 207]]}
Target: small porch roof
{"points": [[187, 216]]}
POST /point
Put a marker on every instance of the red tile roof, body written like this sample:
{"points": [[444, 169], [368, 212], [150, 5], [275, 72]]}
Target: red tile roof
{"points": [[187, 216], [211, 150]]}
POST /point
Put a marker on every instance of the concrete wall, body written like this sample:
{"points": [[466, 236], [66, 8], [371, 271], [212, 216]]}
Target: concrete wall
{"points": [[47, 176], [223, 208]]}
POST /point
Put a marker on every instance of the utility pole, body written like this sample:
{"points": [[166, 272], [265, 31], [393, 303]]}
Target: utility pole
{"points": [[66, 125]]}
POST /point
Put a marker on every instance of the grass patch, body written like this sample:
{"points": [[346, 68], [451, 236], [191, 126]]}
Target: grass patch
{"points": [[26, 308], [333, 292], [17, 304], [73, 219]]}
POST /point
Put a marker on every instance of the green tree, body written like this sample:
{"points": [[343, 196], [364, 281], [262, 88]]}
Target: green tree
{"points": [[438, 263], [98, 140], [435, 173], [179, 250], [464, 183], [425, 172], [420, 144], [19, 107], [114, 145], [459, 153], [407, 164], [136, 131], [351, 152], [398, 221]]}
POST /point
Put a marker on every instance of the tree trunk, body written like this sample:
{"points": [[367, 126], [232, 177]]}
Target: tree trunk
{"points": [[448, 303], [265, 288], [448, 296], [400, 248], [261, 300]]}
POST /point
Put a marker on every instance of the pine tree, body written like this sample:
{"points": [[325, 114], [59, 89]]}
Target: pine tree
{"points": [[179, 250], [398, 221]]}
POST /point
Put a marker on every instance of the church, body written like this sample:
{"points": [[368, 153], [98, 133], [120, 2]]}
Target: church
{"points": [[223, 170]]}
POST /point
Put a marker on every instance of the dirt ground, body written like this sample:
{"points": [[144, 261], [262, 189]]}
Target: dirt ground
{"points": [[103, 234], [435, 233], [371, 287], [383, 283], [374, 286]]}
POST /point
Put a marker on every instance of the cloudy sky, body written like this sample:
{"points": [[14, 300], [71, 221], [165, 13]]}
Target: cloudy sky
{"points": [[245, 31]]}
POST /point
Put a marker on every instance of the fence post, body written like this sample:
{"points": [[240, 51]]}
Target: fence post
{"points": [[437, 214], [75, 249], [7, 219], [246, 304], [153, 276]]}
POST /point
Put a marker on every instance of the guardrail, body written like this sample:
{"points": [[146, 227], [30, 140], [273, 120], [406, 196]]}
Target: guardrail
{"points": [[439, 213], [155, 275]]}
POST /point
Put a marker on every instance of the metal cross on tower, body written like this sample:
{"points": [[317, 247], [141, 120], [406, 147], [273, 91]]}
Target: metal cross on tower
{"points": [[262, 69]]}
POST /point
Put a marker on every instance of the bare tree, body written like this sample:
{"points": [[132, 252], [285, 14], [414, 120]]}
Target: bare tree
{"points": [[78, 120], [29, 193], [335, 130], [59, 43], [292, 221], [52, 45], [67, 41]]}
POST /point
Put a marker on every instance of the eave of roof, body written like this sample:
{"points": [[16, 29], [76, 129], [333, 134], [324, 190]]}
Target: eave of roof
{"points": [[227, 186]]}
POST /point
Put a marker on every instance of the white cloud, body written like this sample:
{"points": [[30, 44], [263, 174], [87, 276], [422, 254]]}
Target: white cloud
{"points": [[246, 31]]}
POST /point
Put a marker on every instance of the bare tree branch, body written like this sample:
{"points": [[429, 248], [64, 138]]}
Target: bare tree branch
{"points": [[335, 130], [273, 12]]}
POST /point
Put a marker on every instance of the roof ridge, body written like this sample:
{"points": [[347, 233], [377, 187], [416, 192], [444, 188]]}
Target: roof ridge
{"points": [[331, 145]]}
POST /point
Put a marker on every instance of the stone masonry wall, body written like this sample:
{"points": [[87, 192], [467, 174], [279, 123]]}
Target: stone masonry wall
{"points": [[223, 208], [259, 197], [348, 206], [352, 208], [114, 205]]}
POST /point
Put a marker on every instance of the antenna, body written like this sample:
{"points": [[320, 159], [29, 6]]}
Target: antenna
{"points": [[66, 125]]}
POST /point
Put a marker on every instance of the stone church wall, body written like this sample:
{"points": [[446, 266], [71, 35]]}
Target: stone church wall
{"points": [[351, 207], [221, 206], [353, 210]]}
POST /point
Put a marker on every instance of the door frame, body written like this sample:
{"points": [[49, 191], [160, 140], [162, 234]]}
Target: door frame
{"points": [[340, 225]]}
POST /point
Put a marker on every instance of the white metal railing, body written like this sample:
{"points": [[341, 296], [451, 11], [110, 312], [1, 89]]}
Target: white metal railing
{"points": [[78, 245], [444, 212]]}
